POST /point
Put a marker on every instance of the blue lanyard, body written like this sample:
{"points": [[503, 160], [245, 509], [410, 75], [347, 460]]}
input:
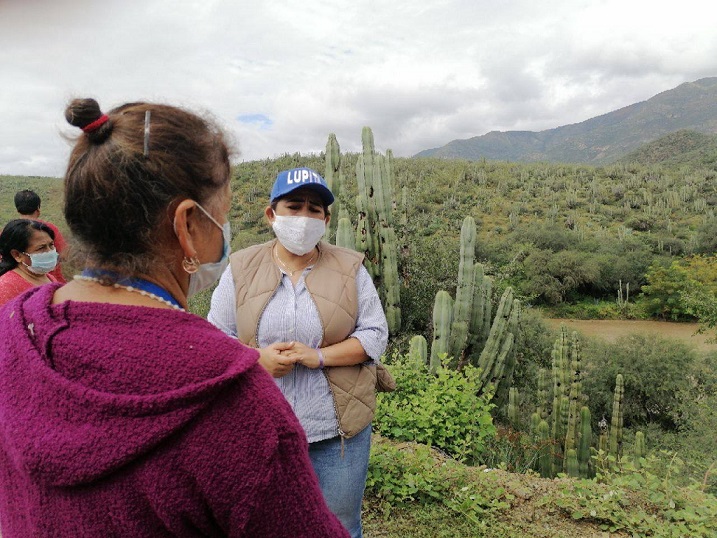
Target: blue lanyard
{"points": [[134, 282]]}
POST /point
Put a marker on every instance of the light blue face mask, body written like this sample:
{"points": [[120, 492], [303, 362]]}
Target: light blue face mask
{"points": [[42, 263], [208, 273]]}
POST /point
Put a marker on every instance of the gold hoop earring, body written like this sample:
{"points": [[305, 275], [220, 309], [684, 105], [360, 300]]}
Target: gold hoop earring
{"points": [[191, 265]]}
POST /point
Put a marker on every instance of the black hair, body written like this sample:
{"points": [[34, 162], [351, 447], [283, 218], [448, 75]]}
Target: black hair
{"points": [[27, 202], [16, 236]]}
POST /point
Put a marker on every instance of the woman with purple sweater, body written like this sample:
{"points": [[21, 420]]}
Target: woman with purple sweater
{"points": [[121, 414]]}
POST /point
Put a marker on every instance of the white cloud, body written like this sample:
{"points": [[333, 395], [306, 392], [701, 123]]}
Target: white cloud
{"points": [[419, 73]]}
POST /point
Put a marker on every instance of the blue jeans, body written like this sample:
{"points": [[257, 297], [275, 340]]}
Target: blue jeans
{"points": [[343, 480]]}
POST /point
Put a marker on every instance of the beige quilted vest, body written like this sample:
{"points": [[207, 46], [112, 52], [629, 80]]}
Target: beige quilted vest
{"points": [[332, 285]]}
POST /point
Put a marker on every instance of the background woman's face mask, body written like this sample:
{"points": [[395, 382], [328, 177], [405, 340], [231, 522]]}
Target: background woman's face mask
{"points": [[42, 263], [299, 235]]}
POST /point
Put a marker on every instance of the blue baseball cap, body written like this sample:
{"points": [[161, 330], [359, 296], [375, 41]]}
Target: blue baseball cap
{"points": [[290, 180]]}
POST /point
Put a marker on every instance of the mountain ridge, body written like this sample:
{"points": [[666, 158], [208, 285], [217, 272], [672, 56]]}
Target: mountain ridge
{"points": [[602, 139]]}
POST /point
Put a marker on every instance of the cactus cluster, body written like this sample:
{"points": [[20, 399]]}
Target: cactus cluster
{"points": [[563, 430], [374, 234], [464, 329]]}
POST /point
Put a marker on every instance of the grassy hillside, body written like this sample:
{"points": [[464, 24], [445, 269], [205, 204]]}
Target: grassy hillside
{"points": [[557, 233], [676, 149], [49, 189]]}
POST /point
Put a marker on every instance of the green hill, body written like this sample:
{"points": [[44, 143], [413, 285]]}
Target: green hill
{"points": [[681, 148], [600, 140]]}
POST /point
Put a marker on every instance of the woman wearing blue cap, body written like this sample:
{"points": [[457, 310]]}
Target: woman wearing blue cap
{"points": [[313, 311]]}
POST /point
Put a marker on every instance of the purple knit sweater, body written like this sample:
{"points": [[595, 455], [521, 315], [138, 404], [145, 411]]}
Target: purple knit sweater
{"points": [[132, 421]]}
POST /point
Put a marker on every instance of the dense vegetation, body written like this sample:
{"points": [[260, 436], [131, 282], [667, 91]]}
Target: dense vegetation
{"points": [[559, 234]]}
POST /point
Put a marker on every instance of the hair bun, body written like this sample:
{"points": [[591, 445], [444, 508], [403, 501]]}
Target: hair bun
{"points": [[87, 115]]}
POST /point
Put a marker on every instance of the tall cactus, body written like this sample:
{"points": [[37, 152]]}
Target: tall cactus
{"points": [[364, 239], [640, 451], [463, 304], [481, 310], [571, 463], [561, 375], [616, 422], [390, 281], [345, 236], [376, 237], [442, 317], [585, 443], [575, 372], [492, 348], [513, 410], [498, 345], [543, 394], [545, 458], [334, 178], [503, 373]]}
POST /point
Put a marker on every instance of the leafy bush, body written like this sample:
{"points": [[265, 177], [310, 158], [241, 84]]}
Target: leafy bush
{"points": [[533, 348], [668, 510], [553, 277], [697, 423], [676, 291], [412, 472], [444, 410], [655, 371], [404, 473], [431, 265]]}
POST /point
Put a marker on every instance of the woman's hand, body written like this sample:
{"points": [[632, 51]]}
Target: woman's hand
{"points": [[275, 360], [308, 356]]}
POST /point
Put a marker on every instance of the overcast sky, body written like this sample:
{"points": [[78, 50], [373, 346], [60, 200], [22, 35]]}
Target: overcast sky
{"points": [[281, 75]]}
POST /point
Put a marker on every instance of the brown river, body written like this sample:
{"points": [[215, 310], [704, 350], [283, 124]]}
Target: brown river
{"points": [[610, 330]]}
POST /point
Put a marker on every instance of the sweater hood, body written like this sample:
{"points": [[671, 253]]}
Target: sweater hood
{"points": [[87, 388]]}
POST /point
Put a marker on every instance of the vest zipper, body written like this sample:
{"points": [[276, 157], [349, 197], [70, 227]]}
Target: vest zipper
{"points": [[342, 434]]}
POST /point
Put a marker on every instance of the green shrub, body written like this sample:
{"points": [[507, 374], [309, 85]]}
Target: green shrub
{"points": [[655, 372], [412, 472], [668, 510], [444, 410], [404, 473], [697, 424]]}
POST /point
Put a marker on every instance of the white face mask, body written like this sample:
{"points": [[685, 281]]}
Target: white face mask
{"points": [[42, 263], [208, 273], [299, 235]]}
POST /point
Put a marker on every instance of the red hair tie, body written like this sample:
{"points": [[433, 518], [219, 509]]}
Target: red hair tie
{"points": [[96, 124]]}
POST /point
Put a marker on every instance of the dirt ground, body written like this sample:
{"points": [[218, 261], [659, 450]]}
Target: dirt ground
{"points": [[610, 330]]}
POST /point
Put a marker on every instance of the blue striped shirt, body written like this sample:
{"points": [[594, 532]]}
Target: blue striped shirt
{"points": [[291, 315]]}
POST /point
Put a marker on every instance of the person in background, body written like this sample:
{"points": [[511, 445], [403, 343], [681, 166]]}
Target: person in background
{"points": [[27, 257], [27, 203], [314, 312], [122, 414]]}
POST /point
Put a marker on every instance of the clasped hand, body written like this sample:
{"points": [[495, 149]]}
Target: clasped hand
{"points": [[279, 358]]}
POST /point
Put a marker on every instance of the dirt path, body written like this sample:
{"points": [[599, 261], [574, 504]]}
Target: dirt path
{"points": [[610, 330]]}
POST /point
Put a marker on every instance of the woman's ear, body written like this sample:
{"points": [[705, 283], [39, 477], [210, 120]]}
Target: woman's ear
{"points": [[269, 213], [17, 255], [185, 226]]}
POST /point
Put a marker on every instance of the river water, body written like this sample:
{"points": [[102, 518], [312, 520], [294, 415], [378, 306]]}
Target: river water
{"points": [[610, 330]]}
